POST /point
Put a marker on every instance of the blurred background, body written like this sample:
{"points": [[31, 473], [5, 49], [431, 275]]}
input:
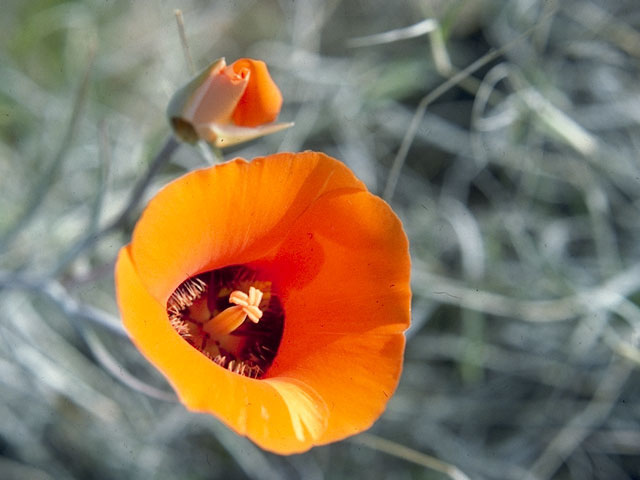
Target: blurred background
{"points": [[505, 134]]}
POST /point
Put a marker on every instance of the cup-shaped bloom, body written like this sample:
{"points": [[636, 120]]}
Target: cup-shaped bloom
{"points": [[226, 105], [273, 294]]}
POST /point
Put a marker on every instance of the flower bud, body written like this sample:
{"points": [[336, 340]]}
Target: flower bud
{"points": [[226, 105]]}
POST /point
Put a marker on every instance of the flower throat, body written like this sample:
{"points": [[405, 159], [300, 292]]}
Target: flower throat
{"points": [[230, 315]]}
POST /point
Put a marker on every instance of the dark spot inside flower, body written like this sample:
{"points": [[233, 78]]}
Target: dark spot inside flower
{"points": [[231, 315]]}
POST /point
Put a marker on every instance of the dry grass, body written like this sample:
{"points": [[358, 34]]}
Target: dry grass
{"points": [[517, 179]]}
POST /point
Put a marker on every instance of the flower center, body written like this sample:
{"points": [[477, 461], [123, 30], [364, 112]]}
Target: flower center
{"points": [[232, 316]]}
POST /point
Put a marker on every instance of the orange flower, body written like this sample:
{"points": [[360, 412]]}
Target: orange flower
{"points": [[272, 294], [226, 105]]}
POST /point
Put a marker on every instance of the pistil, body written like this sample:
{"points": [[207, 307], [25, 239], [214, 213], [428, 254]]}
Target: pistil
{"points": [[231, 318]]}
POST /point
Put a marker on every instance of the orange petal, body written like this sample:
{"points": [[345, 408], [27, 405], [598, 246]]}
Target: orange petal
{"points": [[215, 100], [343, 327], [146, 321], [363, 282], [282, 415], [234, 213], [355, 375], [308, 411], [370, 367], [262, 99]]}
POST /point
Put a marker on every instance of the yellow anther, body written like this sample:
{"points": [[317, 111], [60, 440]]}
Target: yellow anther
{"points": [[231, 318]]}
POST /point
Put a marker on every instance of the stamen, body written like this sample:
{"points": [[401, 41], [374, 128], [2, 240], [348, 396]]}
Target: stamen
{"points": [[185, 295], [231, 318], [243, 368], [181, 299]]}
